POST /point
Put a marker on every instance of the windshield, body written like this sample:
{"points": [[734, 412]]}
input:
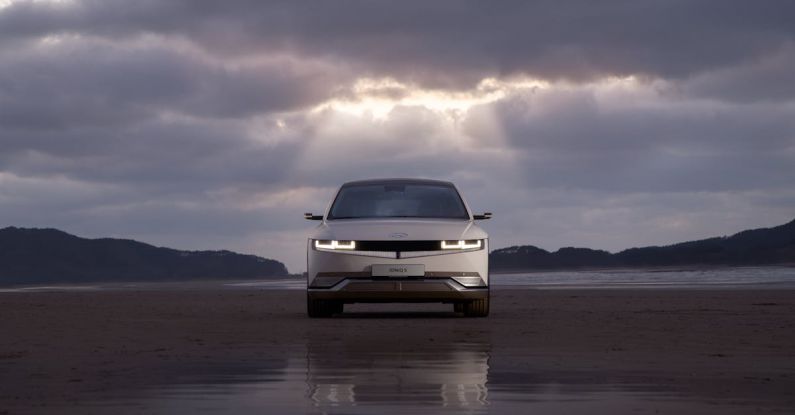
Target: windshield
{"points": [[398, 200]]}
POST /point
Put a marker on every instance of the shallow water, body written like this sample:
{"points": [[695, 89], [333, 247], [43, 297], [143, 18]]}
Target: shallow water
{"points": [[739, 277], [343, 378], [51, 288]]}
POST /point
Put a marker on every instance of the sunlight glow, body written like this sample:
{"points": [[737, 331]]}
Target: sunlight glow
{"points": [[378, 97]]}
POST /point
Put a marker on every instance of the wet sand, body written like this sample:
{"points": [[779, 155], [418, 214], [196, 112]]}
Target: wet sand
{"points": [[732, 350]]}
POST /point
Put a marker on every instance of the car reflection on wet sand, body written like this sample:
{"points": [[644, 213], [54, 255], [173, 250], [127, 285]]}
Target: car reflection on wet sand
{"points": [[274, 360], [346, 375], [453, 376], [326, 376]]}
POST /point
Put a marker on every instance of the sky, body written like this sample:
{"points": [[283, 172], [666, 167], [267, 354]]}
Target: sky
{"points": [[215, 125]]}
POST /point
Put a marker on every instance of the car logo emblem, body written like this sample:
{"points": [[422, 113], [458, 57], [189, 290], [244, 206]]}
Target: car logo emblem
{"points": [[398, 235]]}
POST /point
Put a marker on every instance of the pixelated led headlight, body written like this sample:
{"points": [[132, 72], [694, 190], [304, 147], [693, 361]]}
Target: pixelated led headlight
{"points": [[333, 245], [461, 245]]}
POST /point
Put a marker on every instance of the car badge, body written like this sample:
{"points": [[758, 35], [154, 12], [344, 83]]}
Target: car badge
{"points": [[398, 235]]}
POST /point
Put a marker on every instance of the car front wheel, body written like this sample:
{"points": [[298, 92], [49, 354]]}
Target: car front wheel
{"points": [[323, 308]]}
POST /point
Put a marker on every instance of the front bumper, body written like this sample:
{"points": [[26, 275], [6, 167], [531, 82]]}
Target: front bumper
{"points": [[450, 277], [362, 289]]}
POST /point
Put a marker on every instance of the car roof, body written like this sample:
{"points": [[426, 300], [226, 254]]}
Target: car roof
{"points": [[398, 181]]}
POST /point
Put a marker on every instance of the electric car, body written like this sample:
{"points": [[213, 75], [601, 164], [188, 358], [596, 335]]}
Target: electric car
{"points": [[397, 240]]}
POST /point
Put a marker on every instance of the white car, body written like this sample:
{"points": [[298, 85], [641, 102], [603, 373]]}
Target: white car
{"points": [[397, 240]]}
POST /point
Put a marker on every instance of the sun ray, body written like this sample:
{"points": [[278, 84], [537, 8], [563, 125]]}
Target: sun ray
{"points": [[378, 97]]}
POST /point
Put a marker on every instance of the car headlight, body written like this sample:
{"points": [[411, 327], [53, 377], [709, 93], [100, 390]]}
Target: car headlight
{"points": [[333, 245], [461, 245]]}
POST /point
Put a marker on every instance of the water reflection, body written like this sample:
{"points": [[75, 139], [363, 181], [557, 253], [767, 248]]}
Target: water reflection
{"points": [[453, 376], [344, 378], [329, 376], [358, 369]]}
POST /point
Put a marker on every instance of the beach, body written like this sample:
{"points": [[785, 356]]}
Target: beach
{"points": [[731, 350]]}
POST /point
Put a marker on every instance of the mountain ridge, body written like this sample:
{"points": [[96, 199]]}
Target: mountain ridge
{"points": [[762, 246], [44, 255]]}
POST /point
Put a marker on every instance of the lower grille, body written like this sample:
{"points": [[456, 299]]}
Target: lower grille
{"points": [[330, 279], [399, 246]]}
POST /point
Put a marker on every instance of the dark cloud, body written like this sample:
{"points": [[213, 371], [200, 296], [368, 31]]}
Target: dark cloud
{"points": [[173, 157], [771, 78], [593, 140], [444, 43], [82, 82]]}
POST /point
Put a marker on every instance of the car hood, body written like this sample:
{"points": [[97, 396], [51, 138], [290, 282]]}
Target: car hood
{"points": [[398, 229]]}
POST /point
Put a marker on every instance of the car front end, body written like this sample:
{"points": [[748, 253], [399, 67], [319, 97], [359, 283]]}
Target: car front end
{"points": [[397, 258]]}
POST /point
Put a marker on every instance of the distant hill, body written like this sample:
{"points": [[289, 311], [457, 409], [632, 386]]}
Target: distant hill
{"points": [[753, 247], [34, 256]]}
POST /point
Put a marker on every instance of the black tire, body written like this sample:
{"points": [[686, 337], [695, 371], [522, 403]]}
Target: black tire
{"points": [[322, 308], [477, 308], [337, 307]]}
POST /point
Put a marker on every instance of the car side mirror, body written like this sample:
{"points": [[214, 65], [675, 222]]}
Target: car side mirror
{"points": [[309, 216], [485, 215]]}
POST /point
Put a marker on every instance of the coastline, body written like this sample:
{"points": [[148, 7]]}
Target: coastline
{"points": [[672, 268]]}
